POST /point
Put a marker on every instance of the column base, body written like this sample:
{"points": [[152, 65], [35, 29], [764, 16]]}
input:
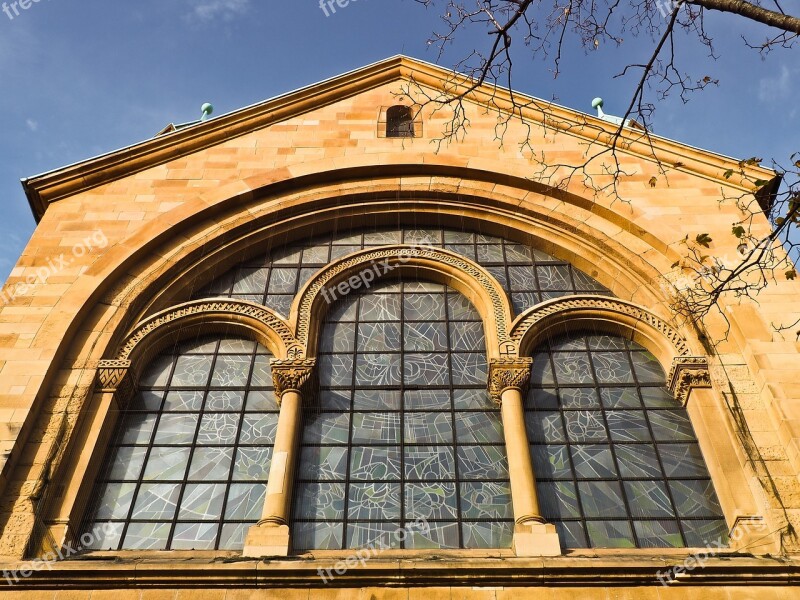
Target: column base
{"points": [[536, 539], [266, 540]]}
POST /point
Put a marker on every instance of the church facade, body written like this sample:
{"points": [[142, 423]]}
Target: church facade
{"points": [[310, 349]]}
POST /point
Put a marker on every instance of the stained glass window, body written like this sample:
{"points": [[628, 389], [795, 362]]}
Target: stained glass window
{"points": [[616, 459], [403, 429], [187, 468], [528, 276]]}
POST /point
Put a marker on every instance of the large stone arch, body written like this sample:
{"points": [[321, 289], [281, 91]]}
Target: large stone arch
{"points": [[162, 256]]}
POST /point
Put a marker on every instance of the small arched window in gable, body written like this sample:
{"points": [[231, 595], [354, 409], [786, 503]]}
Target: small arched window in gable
{"points": [[399, 122]]}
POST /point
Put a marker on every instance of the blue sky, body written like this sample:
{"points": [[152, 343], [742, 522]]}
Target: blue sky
{"points": [[82, 77]]}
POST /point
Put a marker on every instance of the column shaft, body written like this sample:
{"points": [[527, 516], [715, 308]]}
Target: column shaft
{"points": [[278, 505], [523, 483]]}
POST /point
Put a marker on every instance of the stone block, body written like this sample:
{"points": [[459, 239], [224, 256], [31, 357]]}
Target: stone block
{"points": [[536, 539], [266, 540]]}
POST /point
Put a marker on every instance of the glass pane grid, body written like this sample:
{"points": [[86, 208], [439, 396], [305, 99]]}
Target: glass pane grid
{"points": [[405, 437], [616, 458], [529, 276], [187, 468]]}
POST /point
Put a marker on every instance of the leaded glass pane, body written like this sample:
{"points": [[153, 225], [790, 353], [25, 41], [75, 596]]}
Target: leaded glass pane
{"points": [[658, 534], [486, 501], [438, 535], [183, 401], [202, 502], [252, 463], [166, 463], [373, 500], [323, 462], [593, 461], [127, 463], [176, 429], [528, 274], [429, 463], [210, 464], [435, 500], [156, 501], [191, 472], [610, 534], [147, 536], [487, 535], [245, 501], [373, 535], [368, 463], [615, 456], [376, 428], [191, 370], [320, 500], [404, 428], [694, 498], [551, 461], [378, 370], [425, 337], [195, 536]]}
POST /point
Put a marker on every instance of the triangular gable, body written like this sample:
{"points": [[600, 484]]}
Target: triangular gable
{"points": [[49, 187]]}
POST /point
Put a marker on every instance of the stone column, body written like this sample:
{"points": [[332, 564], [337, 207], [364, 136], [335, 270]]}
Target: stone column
{"points": [[271, 536], [508, 382]]}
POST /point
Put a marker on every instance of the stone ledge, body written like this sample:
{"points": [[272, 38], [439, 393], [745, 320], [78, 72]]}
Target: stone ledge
{"points": [[430, 570]]}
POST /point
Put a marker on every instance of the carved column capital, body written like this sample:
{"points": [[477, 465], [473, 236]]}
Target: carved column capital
{"points": [[114, 377], [291, 375], [687, 373], [505, 373]]}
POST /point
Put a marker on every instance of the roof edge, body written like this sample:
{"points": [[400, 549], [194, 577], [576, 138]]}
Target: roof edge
{"points": [[51, 186]]}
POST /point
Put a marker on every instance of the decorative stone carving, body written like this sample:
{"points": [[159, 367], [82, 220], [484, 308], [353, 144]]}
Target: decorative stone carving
{"points": [[687, 373], [598, 303], [290, 375], [114, 376], [199, 307], [405, 254], [505, 373], [111, 373]]}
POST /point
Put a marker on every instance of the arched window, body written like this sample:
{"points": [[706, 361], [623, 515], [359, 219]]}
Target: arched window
{"points": [[616, 458], [404, 429], [188, 466], [529, 276], [399, 122]]}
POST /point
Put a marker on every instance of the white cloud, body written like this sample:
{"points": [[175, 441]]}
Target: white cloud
{"points": [[774, 89], [210, 10], [32, 125]]}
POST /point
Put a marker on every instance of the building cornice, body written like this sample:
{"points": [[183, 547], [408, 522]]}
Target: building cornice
{"points": [[379, 571]]}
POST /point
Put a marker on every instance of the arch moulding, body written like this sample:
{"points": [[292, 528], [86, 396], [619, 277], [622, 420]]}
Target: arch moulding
{"points": [[686, 369], [227, 315], [365, 267]]}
